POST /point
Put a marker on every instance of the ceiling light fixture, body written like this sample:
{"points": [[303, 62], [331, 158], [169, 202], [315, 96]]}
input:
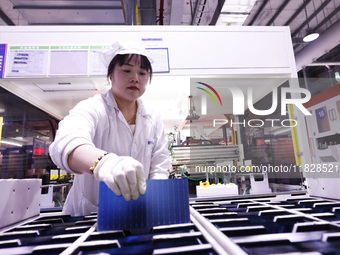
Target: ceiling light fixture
{"points": [[280, 131], [311, 35]]}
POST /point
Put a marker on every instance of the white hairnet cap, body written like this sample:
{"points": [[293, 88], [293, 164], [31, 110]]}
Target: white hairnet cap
{"points": [[128, 47]]}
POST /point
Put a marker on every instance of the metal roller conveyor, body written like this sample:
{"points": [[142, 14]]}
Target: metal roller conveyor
{"points": [[256, 225], [63, 234], [297, 224]]}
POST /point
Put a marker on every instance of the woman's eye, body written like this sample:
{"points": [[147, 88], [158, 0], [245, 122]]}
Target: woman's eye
{"points": [[126, 71], [142, 73]]}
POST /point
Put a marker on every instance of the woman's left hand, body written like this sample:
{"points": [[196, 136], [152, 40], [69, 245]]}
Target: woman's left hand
{"points": [[123, 175]]}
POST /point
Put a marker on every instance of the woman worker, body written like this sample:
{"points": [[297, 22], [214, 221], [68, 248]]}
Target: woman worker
{"points": [[113, 137]]}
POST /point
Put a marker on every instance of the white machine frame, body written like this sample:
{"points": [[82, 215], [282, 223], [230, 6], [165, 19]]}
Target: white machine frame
{"points": [[192, 52]]}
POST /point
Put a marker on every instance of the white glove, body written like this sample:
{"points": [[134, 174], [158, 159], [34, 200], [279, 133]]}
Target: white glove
{"points": [[123, 175]]}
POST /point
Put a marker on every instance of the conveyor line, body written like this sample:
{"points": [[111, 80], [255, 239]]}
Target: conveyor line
{"points": [[237, 225]]}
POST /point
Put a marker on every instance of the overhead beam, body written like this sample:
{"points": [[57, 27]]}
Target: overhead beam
{"points": [[74, 24], [5, 18], [297, 12], [283, 5], [66, 7], [217, 12], [236, 13], [264, 3], [324, 64], [321, 7], [328, 18]]}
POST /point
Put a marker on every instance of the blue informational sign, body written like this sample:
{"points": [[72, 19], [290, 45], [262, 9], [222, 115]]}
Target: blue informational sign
{"points": [[321, 114], [2, 59]]}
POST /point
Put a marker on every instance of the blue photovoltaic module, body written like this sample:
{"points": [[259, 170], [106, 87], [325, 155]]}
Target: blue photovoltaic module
{"points": [[165, 202]]}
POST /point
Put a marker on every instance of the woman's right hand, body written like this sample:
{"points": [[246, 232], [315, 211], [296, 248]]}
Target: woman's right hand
{"points": [[123, 175]]}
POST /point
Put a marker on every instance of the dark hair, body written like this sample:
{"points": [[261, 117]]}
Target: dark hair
{"points": [[120, 59]]}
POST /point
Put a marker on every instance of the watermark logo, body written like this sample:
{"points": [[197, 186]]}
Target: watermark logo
{"points": [[300, 97], [212, 89]]}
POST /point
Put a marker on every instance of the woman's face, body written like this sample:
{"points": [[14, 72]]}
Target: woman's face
{"points": [[129, 80]]}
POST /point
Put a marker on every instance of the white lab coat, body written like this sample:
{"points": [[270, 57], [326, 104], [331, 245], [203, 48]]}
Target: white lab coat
{"points": [[98, 121]]}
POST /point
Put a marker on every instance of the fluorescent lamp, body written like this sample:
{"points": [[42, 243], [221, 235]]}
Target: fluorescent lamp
{"points": [[280, 131], [311, 37], [11, 143], [232, 18]]}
